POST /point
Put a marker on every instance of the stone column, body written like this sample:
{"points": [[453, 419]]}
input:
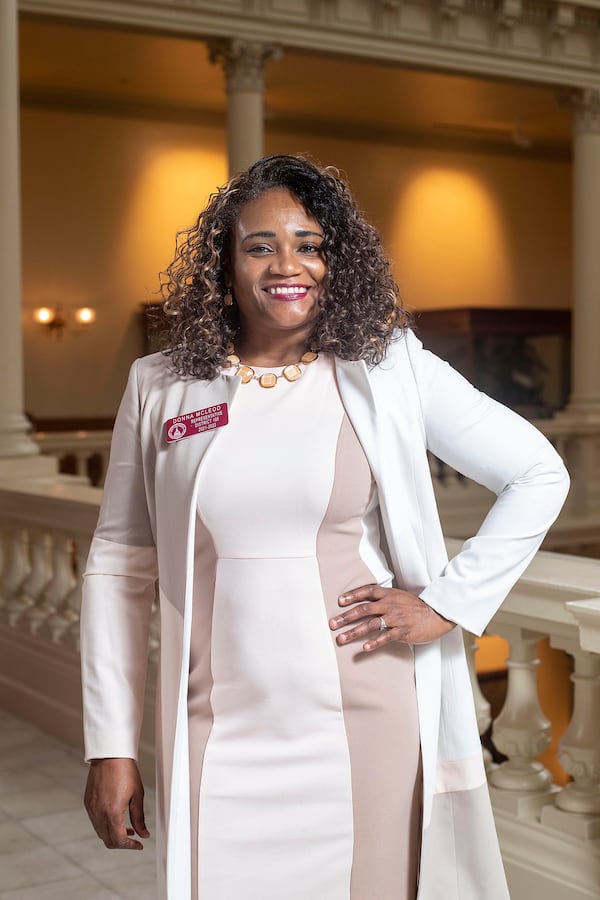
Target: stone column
{"points": [[13, 425], [16, 447], [243, 63], [585, 396]]}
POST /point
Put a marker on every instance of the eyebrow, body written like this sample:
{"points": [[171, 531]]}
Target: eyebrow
{"points": [[271, 234]]}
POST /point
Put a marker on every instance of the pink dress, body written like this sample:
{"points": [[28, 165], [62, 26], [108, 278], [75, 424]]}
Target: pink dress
{"points": [[305, 762]]}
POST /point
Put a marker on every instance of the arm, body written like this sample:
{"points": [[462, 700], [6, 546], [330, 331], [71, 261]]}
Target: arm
{"points": [[497, 448], [500, 450], [118, 593]]}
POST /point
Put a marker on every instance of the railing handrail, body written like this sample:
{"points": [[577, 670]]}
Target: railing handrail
{"points": [[59, 506], [574, 577]]}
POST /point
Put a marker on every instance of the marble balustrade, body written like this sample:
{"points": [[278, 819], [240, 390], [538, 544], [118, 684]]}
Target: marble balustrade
{"points": [[549, 834]]}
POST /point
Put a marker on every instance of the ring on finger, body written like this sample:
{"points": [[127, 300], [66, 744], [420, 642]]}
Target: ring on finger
{"points": [[382, 625]]}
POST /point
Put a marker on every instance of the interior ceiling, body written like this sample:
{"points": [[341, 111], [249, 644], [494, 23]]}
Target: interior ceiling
{"points": [[73, 64]]}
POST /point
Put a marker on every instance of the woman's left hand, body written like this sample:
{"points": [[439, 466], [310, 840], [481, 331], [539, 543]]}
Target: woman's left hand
{"points": [[408, 619]]}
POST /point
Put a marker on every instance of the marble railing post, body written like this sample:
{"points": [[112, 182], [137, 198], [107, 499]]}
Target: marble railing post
{"points": [[521, 731], [51, 620], [15, 569], [35, 582], [243, 63], [579, 749]]}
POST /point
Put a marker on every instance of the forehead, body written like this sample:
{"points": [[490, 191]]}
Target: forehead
{"points": [[271, 209]]}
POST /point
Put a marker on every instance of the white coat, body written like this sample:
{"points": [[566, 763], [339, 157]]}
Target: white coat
{"points": [[408, 404]]}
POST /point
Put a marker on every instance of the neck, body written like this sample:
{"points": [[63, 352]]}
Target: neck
{"points": [[276, 352]]}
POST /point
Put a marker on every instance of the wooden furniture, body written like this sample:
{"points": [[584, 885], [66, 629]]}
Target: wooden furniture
{"points": [[521, 357]]}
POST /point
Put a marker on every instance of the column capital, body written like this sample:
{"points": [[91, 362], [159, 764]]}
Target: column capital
{"points": [[243, 62], [585, 104]]}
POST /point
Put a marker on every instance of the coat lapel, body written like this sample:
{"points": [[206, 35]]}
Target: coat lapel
{"points": [[179, 465], [390, 432]]}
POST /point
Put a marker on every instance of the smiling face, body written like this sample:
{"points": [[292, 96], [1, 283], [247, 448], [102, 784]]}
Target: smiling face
{"points": [[277, 268]]}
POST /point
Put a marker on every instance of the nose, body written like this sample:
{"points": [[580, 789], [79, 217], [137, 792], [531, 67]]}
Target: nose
{"points": [[284, 262]]}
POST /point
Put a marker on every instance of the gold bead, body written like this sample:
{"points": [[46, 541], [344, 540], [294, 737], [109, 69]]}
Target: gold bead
{"points": [[308, 357], [268, 380], [246, 373], [292, 373], [233, 360]]}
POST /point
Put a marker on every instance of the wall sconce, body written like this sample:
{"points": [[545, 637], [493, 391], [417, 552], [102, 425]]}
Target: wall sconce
{"points": [[56, 321]]}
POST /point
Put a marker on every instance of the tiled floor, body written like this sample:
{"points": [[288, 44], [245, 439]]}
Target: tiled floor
{"points": [[48, 850]]}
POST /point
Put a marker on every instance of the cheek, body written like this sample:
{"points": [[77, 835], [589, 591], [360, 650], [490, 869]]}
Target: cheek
{"points": [[318, 270], [243, 277]]}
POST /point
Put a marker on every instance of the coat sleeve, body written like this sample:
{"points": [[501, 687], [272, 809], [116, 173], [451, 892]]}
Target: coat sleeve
{"points": [[502, 451], [118, 593]]}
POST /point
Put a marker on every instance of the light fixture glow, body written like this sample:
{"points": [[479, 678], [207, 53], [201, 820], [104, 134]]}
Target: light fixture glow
{"points": [[43, 315], [85, 315]]}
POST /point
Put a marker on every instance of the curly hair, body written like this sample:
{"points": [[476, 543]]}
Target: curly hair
{"points": [[360, 307]]}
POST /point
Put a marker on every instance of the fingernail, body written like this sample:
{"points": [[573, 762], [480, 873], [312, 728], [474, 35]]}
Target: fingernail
{"points": [[333, 622], [342, 638], [368, 646]]}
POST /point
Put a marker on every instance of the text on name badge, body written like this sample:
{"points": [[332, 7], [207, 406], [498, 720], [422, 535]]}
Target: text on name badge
{"points": [[196, 422]]}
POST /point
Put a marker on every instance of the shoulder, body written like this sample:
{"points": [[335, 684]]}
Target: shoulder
{"points": [[154, 373], [402, 356]]}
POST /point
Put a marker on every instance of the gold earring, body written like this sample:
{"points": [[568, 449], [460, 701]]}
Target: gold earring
{"points": [[228, 298]]}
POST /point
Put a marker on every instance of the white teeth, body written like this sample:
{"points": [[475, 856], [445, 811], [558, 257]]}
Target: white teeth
{"points": [[296, 289]]}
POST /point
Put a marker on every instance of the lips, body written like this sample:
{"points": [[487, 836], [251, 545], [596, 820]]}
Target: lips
{"points": [[287, 291]]}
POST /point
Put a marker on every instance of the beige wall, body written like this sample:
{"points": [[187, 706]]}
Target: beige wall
{"points": [[104, 196], [462, 229]]}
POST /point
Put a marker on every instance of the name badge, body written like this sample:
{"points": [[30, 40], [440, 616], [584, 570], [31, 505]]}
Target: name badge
{"points": [[196, 422]]}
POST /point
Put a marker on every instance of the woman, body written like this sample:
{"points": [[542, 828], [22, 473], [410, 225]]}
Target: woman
{"points": [[316, 731]]}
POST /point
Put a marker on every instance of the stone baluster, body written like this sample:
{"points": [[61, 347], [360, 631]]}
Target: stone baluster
{"points": [[72, 613], [47, 618], [35, 582], [482, 706], [579, 750], [522, 731], [79, 462], [16, 568]]}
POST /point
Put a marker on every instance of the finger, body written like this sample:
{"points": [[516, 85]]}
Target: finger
{"points": [[365, 592], [385, 637], [362, 611], [136, 814], [118, 839], [359, 631]]}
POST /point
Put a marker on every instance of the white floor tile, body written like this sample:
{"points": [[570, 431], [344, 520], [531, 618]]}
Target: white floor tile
{"points": [[92, 856], [16, 780], [16, 839], [133, 883], [74, 782], [63, 827], [85, 888], [48, 850], [33, 867], [38, 756], [25, 804]]}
